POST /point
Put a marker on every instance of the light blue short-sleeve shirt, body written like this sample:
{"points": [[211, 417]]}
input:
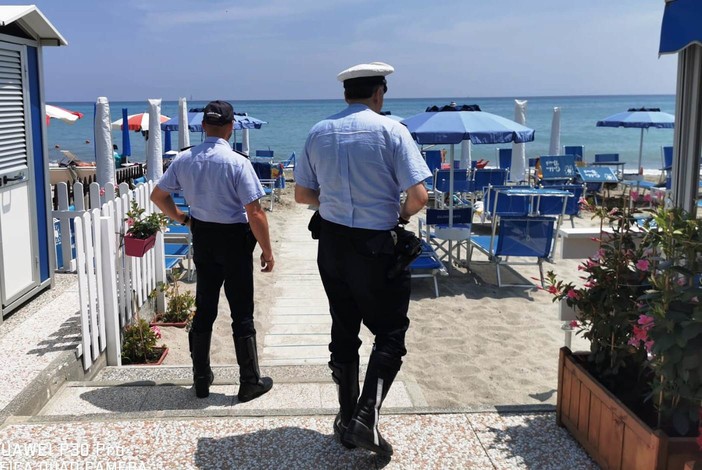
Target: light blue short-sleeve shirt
{"points": [[216, 181], [360, 162]]}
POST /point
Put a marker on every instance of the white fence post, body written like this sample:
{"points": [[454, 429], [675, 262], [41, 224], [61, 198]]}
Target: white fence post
{"points": [[109, 276], [83, 295]]}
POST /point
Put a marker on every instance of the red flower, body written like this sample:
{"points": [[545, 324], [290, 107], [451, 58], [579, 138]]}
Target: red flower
{"points": [[552, 289], [573, 294]]}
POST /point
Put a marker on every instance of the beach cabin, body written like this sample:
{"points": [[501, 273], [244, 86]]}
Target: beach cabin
{"points": [[26, 230]]}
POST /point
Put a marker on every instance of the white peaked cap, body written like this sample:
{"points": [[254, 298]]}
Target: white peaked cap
{"points": [[374, 69]]}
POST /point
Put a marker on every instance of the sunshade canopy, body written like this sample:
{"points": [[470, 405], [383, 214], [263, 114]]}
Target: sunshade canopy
{"points": [[641, 118], [241, 121], [136, 122], [55, 112], [681, 26], [454, 124]]}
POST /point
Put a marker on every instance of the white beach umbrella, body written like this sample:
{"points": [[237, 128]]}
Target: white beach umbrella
{"points": [[245, 141], [154, 148], [183, 131], [104, 162], [518, 170], [465, 154], [555, 145]]}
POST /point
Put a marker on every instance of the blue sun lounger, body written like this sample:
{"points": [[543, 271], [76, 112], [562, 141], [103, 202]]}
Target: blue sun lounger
{"points": [[521, 237]]}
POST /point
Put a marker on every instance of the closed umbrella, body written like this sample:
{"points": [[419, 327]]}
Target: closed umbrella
{"points": [[104, 162], [555, 143], [518, 168], [681, 34], [183, 131], [154, 149], [453, 125], [639, 118], [126, 143]]}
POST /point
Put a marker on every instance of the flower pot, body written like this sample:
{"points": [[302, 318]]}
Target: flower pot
{"points": [[159, 355], [611, 433], [137, 247], [157, 322]]}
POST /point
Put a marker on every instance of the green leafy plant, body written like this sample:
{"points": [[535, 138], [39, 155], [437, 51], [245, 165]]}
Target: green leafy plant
{"points": [[180, 302], [141, 226], [139, 343], [607, 301], [640, 307], [672, 318]]}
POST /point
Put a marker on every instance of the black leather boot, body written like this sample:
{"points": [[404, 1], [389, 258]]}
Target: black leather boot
{"points": [[200, 354], [251, 384], [362, 430], [345, 376]]}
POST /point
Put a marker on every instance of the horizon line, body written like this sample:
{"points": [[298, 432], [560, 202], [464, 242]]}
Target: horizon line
{"points": [[389, 99]]}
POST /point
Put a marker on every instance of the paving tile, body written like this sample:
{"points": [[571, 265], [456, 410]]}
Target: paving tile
{"points": [[293, 329], [172, 397], [300, 319], [89, 400], [528, 441], [292, 309], [301, 339], [285, 396], [293, 352]]}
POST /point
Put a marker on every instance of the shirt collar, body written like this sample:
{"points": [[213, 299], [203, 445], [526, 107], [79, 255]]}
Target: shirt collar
{"points": [[216, 140]]}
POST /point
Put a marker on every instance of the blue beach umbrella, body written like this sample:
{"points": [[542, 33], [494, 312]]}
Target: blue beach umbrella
{"points": [[454, 124], [241, 121], [681, 34], [126, 144], [394, 117], [639, 118]]}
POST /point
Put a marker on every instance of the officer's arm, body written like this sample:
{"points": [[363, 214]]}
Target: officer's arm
{"points": [[306, 196], [165, 202], [415, 201], [259, 226]]}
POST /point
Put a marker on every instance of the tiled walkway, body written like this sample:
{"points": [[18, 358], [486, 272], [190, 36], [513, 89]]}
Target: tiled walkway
{"points": [[300, 321]]}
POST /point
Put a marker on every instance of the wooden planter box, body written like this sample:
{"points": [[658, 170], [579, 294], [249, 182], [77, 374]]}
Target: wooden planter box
{"points": [[137, 247], [613, 436]]}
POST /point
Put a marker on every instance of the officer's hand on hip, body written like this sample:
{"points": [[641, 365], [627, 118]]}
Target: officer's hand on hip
{"points": [[267, 263]]}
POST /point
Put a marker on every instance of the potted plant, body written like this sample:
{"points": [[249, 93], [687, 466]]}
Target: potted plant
{"points": [[141, 231], [139, 344], [179, 305], [633, 401]]}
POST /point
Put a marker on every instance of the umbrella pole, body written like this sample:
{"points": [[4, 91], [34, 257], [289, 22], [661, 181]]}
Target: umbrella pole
{"points": [[450, 224], [640, 150]]}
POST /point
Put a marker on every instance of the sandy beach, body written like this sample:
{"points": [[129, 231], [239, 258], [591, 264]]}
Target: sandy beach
{"points": [[475, 345]]}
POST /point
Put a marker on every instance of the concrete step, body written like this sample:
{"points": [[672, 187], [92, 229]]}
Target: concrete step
{"points": [[129, 392]]}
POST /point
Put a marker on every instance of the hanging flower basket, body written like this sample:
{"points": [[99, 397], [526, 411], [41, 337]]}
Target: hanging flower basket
{"points": [[137, 247]]}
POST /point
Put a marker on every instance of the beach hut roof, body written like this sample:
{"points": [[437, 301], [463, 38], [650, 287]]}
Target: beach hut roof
{"points": [[33, 22]]}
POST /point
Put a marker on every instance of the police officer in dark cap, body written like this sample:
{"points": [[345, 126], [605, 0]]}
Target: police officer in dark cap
{"points": [[355, 166], [226, 221]]}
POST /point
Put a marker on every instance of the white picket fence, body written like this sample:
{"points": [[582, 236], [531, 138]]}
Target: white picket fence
{"points": [[112, 286]]}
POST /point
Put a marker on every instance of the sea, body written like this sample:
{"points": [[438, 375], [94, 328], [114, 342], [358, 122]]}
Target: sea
{"points": [[288, 122]]}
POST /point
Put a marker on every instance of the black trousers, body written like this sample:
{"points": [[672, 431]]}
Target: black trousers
{"points": [[353, 264], [223, 254]]}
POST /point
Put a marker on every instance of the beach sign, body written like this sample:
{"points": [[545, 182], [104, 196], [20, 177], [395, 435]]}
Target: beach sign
{"points": [[597, 174], [557, 167]]}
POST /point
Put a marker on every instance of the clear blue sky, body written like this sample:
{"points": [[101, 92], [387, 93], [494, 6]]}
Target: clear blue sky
{"points": [[293, 49]]}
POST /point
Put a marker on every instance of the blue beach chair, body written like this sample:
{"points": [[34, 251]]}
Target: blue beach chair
{"points": [[519, 237], [576, 150], [428, 265]]}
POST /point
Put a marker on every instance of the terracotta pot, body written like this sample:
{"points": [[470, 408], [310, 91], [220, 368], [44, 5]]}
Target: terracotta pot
{"points": [[611, 433], [137, 247], [161, 357], [158, 322]]}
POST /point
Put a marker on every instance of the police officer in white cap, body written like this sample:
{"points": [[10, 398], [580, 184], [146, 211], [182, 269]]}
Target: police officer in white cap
{"points": [[355, 166]]}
